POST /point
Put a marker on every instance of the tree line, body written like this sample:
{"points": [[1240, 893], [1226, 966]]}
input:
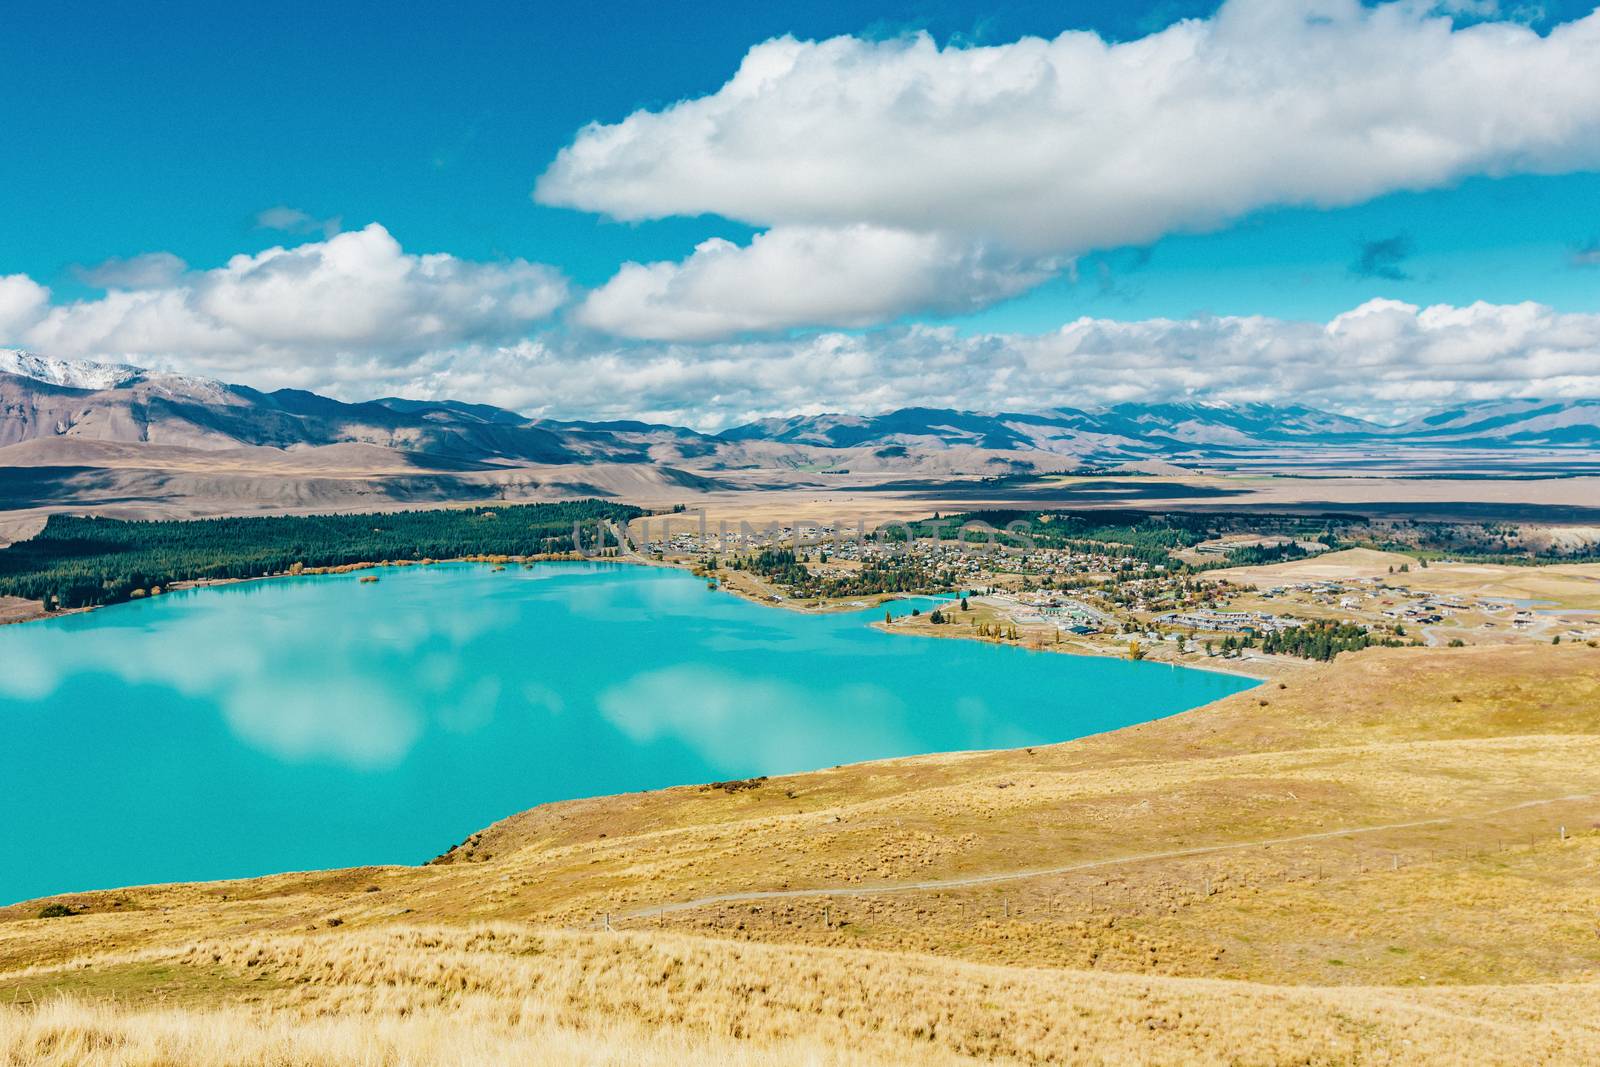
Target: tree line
{"points": [[1320, 640], [79, 562], [900, 574]]}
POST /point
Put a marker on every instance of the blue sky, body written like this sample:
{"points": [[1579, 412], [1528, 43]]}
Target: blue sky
{"points": [[1502, 241], [171, 129]]}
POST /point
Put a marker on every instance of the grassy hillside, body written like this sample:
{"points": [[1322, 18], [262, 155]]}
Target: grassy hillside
{"points": [[1392, 857], [500, 994]]}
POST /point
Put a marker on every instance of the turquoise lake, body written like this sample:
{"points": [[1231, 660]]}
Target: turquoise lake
{"points": [[318, 722]]}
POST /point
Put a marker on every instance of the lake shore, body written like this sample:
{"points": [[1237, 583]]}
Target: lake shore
{"points": [[1072, 648], [745, 587]]}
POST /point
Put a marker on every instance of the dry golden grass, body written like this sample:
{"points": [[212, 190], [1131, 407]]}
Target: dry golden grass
{"points": [[1373, 855], [498, 994]]}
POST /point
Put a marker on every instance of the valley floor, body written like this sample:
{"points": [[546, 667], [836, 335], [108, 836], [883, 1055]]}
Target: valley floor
{"points": [[1389, 859], [79, 476]]}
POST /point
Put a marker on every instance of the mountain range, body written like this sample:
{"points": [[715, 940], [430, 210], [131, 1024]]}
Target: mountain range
{"points": [[122, 437], [41, 398]]}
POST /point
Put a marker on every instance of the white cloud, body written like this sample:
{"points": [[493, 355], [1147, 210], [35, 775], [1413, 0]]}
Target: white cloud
{"points": [[22, 302], [293, 220], [900, 177], [1059, 146], [343, 309], [804, 276], [1382, 359], [359, 288]]}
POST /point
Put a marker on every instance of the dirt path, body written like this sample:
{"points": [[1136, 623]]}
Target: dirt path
{"points": [[1039, 872]]}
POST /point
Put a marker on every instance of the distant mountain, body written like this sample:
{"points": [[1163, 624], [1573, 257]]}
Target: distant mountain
{"points": [[1123, 429], [1196, 430], [1526, 423], [44, 400], [1229, 424], [912, 426], [453, 408]]}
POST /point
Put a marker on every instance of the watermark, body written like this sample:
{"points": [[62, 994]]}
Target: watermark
{"points": [[692, 532]]}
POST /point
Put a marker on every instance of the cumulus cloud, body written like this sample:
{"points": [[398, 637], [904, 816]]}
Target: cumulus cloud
{"points": [[1382, 359], [473, 342], [351, 305], [22, 302], [1064, 145], [802, 276]]}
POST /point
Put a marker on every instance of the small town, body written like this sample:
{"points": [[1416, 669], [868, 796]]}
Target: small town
{"points": [[1105, 598]]}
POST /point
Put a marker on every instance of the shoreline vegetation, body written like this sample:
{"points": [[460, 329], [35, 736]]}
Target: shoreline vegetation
{"points": [[78, 563], [734, 588], [1073, 648]]}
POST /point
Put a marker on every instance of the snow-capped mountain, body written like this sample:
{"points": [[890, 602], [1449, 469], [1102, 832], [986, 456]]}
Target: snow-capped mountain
{"points": [[43, 398], [69, 374]]}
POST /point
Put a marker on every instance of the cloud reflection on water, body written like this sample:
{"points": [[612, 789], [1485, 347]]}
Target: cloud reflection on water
{"points": [[344, 689], [733, 721]]}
